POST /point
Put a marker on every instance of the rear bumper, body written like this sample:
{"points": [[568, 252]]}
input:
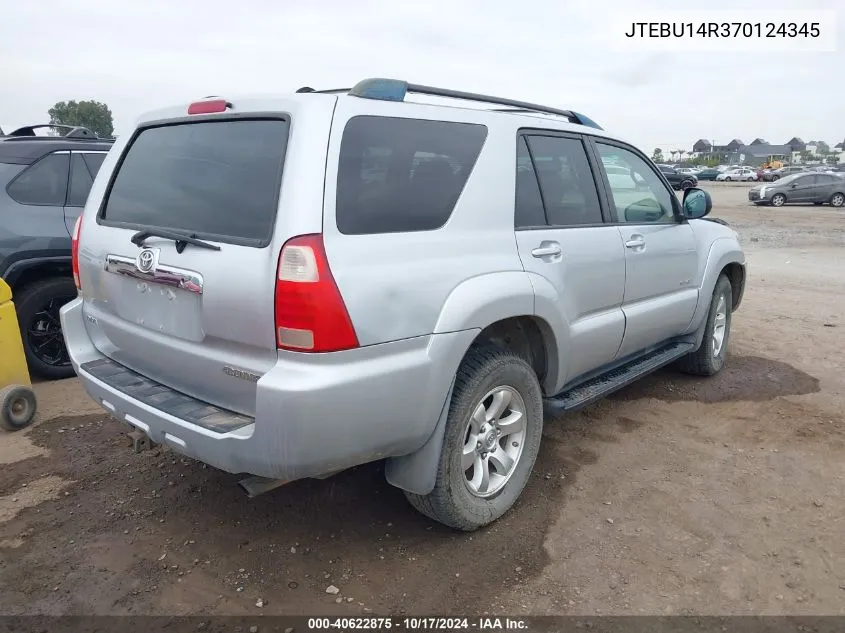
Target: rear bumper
{"points": [[315, 413]]}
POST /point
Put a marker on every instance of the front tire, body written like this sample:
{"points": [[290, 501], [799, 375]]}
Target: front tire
{"points": [[778, 200], [709, 358], [491, 441], [38, 317], [727, 178]]}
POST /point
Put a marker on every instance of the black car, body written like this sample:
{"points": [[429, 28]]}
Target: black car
{"points": [[678, 180], [44, 183]]}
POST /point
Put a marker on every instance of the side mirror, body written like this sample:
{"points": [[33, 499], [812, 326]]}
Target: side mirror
{"points": [[697, 203]]}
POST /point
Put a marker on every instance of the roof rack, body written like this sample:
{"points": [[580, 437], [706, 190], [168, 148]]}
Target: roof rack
{"points": [[396, 89], [72, 132]]}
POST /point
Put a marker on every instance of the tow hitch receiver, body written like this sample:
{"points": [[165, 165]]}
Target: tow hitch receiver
{"points": [[139, 441]]}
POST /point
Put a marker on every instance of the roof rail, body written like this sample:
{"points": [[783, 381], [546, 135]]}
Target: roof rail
{"points": [[396, 89], [69, 131]]}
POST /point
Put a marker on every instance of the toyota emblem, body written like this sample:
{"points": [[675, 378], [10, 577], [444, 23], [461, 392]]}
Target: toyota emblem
{"points": [[146, 260]]}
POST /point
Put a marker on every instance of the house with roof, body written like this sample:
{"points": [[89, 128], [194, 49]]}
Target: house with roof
{"points": [[758, 141], [756, 155], [796, 144], [703, 147]]}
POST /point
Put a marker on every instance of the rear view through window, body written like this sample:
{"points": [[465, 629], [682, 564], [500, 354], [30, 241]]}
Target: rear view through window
{"points": [[215, 179], [400, 175]]}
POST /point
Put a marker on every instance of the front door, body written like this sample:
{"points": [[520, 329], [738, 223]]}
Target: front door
{"points": [[576, 261], [802, 188], [661, 260]]}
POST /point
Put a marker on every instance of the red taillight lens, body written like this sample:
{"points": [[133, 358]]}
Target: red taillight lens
{"points": [[209, 107], [74, 252], [310, 313]]}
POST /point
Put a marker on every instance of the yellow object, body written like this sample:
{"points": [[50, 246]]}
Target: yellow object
{"points": [[13, 368]]}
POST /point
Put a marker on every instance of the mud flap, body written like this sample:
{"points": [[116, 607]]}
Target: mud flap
{"points": [[417, 471]]}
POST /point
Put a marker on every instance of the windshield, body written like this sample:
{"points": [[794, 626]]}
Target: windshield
{"points": [[788, 179]]}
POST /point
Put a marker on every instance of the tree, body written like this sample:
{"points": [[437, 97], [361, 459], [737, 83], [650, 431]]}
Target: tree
{"points": [[657, 155], [92, 114]]}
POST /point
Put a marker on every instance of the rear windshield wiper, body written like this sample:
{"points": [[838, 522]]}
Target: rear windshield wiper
{"points": [[181, 239]]}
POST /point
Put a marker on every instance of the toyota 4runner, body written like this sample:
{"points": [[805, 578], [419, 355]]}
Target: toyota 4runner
{"points": [[285, 288]]}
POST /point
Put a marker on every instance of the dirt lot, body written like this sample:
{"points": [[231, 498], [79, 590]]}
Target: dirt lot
{"points": [[677, 495]]}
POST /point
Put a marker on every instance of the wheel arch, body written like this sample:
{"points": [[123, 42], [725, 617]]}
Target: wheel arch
{"points": [[530, 337]]}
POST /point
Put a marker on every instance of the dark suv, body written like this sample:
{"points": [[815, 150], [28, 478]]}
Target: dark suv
{"points": [[44, 182], [678, 180]]}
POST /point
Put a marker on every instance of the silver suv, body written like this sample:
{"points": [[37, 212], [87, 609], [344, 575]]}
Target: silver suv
{"points": [[285, 288]]}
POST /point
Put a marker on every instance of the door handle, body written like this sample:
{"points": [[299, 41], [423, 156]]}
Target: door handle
{"points": [[637, 241], [547, 250]]}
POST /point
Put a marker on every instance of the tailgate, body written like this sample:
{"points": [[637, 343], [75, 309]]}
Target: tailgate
{"points": [[196, 318]]}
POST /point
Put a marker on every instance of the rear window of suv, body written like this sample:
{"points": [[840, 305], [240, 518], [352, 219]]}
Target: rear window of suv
{"points": [[401, 175], [216, 179]]}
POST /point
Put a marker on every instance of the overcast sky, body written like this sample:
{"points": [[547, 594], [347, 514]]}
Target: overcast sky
{"points": [[139, 55]]}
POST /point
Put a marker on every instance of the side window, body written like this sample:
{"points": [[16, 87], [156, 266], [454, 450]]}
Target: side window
{"points": [[566, 181], [529, 203], [401, 175], [42, 183], [641, 199], [94, 162], [80, 182]]}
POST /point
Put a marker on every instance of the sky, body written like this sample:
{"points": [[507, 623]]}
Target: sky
{"points": [[138, 56]]}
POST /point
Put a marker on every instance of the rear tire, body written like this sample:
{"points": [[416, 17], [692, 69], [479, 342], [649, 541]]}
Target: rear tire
{"points": [[837, 199], [709, 358], [37, 307], [487, 376]]}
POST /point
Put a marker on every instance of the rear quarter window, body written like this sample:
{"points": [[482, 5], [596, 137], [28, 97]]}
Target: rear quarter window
{"points": [[44, 183], [402, 175], [219, 180]]}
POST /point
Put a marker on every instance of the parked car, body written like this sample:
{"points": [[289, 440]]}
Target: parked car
{"points": [[678, 180], [44, 182], [804, 188], [744, 174], [788, 170], [708, 173], [375, 296]]}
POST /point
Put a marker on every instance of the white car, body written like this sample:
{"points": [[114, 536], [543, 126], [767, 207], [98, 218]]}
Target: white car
{"points": [[690, 171], [741, 174]]}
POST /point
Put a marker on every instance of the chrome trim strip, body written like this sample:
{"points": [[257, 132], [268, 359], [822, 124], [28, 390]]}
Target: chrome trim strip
{"points": [[165, 275]]}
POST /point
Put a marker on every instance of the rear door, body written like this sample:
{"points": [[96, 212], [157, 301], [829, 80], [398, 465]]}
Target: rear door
{"points": [[660, 252], [33, 225], [824, 187], [200, 320], [562, 237]]}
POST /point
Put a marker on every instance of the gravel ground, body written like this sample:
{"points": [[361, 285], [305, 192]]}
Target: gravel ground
{"points": [[676, 495]]}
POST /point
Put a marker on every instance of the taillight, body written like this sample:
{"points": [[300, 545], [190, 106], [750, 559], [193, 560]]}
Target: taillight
{"points": [[74, 252], [310, 313]]}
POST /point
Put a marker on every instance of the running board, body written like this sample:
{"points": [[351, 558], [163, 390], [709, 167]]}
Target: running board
{"points": [[600, 386]]}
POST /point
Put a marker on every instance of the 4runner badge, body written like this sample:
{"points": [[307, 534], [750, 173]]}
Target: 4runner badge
{"points": [[146, 260]]}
